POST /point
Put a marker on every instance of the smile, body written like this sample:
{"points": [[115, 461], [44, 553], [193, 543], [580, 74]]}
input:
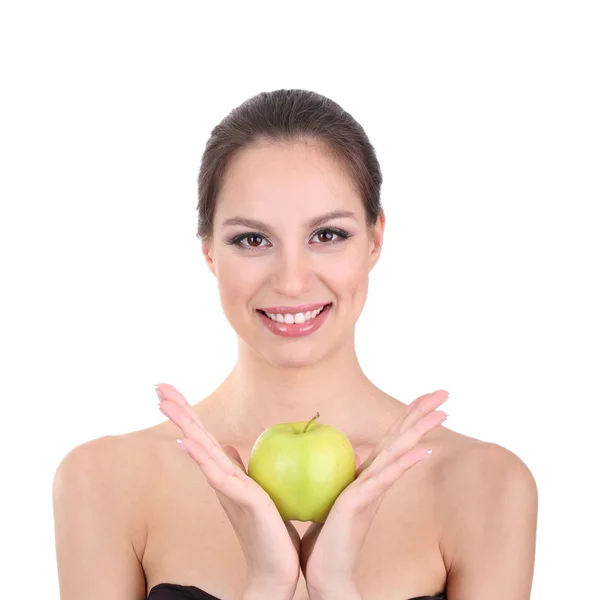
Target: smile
{"points": [[299, 318], [295, 325]]}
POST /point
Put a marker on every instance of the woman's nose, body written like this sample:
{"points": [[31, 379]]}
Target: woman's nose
{"points": [[292, 273]]}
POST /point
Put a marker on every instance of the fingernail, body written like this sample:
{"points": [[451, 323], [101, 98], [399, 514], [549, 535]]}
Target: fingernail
{"points": [[181, 445], [158, 392], [425, 456]]}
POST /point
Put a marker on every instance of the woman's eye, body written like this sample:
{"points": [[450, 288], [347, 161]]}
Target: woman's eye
{"points": [[253, 241], [258, 239], [326, 235], [332, 236]]}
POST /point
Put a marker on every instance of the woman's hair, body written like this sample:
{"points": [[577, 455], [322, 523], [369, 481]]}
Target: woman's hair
{"points": [[285, 116]]}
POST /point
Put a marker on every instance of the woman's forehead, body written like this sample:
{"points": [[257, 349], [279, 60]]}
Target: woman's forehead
{"points": [[298, 177]]}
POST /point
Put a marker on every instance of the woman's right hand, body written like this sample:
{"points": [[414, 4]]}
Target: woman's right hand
{"points": [[271, 546]]}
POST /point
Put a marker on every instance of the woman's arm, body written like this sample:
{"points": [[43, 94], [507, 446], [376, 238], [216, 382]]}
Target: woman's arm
{"points": [[92, 519], [490, 521]]}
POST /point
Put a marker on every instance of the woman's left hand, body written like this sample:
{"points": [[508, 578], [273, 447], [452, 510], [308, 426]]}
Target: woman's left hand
{"points": [[329, 551]]}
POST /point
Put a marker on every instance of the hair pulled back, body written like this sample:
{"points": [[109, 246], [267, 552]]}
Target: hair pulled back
{"points": [[285, 116]]}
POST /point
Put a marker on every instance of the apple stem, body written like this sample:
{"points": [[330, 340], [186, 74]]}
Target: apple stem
{"points": [[306, 427]]}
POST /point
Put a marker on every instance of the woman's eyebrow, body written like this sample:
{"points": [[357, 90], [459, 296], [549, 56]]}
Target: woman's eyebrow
{"points": [[255, 224]]}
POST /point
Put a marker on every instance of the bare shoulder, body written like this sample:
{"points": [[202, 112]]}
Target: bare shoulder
{"points": [[476, 466], [99, 519], [119, 467], [471, 462], [110, 459], [480, 485]]}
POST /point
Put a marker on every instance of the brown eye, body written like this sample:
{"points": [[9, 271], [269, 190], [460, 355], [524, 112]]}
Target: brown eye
{"points": [[326, 233], [254, 237]]}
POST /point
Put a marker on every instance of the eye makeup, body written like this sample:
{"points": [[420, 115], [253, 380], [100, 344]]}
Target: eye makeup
{"points": [[236, 240]]}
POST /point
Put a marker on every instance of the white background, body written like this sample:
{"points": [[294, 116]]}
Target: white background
{"points": [[480, 114]]}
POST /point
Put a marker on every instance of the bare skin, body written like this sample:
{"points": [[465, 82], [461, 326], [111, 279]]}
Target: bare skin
{"points": [[184, 536]]}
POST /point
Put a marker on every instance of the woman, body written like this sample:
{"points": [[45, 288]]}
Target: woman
{"points": [[291, 224]]}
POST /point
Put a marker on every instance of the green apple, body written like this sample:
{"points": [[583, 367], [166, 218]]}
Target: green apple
{"points": [[303, 466]]}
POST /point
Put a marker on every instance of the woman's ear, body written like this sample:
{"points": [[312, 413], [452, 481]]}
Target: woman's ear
{"points": [[377, 236], [206, 248]]}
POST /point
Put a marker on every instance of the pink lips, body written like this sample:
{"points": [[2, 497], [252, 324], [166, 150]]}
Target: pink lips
{"points": [[295, 329]]}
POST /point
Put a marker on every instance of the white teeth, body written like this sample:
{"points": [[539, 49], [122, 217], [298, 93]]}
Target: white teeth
{"points": [[295, 318]]}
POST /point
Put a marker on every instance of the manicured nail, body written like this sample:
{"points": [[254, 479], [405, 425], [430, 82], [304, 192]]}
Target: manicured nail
{"points": [[426, 456], [181, 445]]}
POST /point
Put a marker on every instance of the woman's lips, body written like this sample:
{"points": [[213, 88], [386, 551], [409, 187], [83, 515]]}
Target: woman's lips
{"points": [[295, 329]]}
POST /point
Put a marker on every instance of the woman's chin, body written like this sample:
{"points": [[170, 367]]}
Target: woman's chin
{"points": [[292, 358]]}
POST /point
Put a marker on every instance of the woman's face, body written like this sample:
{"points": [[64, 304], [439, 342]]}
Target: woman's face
{"points": [[285, 260]]}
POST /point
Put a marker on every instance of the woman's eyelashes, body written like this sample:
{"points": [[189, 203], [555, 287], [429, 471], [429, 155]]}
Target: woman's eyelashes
{"points": [[336, 236]]}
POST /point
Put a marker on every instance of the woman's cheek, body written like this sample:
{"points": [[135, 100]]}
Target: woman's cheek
{"points": [[238, 283], [346, 269]]}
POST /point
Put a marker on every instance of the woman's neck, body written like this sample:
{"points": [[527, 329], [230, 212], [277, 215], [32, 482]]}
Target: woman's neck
{"points": [[256, 395]]}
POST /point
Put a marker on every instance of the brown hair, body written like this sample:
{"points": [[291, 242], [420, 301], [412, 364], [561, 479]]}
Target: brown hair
{"points": [[283, 116]]}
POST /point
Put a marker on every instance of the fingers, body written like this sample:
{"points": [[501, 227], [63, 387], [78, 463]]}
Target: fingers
{"points": [[223, 468], [174, 406], [404, 442], [422, 406], [191, 428], [414, 419], [171, 395], [221, 474], [207, 450], [234, 456], [235, 487], [415, 412], [419, 407], [167, 392], [373, 487]]}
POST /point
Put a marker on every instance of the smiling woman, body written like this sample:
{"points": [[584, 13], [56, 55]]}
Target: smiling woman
{"points": [[291, 224], [290, 216]]}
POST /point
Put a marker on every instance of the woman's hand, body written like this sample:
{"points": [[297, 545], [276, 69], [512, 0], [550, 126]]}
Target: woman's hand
{"points": [[271, 546], [329, 551]]}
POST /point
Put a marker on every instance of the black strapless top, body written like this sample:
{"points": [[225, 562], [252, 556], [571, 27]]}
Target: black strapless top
{"points": [[172, 591]]}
